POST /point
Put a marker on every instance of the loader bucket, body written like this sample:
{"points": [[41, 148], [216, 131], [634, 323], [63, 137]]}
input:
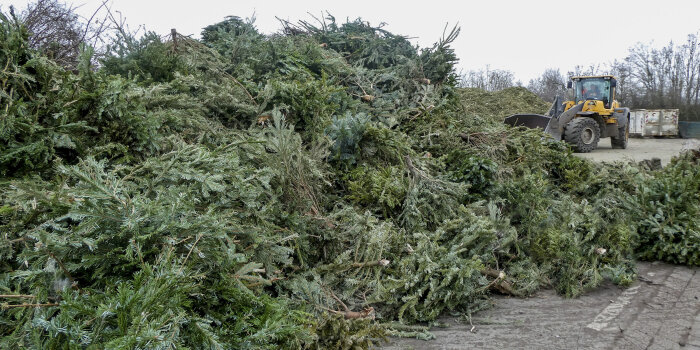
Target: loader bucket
{"points": [[531, 121]]}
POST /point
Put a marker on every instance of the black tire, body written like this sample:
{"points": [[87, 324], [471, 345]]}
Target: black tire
{"points": [[582, 134], [623, 135]]}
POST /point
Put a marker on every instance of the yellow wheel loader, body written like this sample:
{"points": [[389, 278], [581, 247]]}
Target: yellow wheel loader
{"points": [[591, 115]]}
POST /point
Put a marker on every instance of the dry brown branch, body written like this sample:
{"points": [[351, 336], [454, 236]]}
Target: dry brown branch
{"points": [[58, 31], [16, 240], [499, 283], [367, 98], [190, 252], [348, 314], [28, 305], [241, 85]]}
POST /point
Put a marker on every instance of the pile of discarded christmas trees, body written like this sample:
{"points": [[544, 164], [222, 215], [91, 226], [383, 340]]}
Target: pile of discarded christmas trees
{"points": [[322, 187]]}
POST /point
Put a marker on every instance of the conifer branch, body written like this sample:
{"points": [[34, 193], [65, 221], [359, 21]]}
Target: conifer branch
{"points": [[380, 262]]}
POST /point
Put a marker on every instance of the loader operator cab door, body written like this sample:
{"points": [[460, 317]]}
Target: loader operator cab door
{"points": [[594, 89]]}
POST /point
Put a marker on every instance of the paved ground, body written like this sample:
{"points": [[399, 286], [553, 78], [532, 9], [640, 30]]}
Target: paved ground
{"points": [[639, 149], [660, 312]]}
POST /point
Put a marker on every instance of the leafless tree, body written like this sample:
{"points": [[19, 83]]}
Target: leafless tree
{"points": [[624, 92], [549, 85], [58, 31], [592, 69], [666, 77], [488, 79]]}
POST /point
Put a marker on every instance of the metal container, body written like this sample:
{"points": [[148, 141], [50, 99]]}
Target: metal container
{"points": [[689, 130], [654, 122]]}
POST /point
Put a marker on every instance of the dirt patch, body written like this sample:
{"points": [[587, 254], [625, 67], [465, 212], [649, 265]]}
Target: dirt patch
{"points": [[661, 311], [638, 150]]}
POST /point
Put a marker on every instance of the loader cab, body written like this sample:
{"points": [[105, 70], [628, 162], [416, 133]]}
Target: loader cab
{"points": [[594, 88]]}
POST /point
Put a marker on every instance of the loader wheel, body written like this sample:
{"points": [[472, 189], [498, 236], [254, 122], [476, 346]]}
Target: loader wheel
{"points": [[582, 134], [623, 135]]}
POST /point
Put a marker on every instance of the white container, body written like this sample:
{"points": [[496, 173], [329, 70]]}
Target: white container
{"points": [[654, 122]]}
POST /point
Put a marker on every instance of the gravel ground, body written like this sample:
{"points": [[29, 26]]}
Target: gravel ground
{"points": [[661, 311], [640, 149]]}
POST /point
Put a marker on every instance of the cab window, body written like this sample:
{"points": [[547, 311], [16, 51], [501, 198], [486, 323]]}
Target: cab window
{"points": [[593, 89]]}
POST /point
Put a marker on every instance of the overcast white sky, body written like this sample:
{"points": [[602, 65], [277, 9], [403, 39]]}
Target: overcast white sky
{"points": [[525, 37]]}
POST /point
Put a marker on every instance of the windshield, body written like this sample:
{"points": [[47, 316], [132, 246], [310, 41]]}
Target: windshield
{"points": [[593, 89]]}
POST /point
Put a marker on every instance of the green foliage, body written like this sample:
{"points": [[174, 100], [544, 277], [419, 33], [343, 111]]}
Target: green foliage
{"points": [[301, 175], [439, 61], [155, 309], [308, 104], [50, 113], [336, 333], [478, 172], [148, 59], [364, 45], [384, 189], [580, 255], [346, 133], [179, 211], [231, 28], [500, 104], [247, 190], [666, 208], [381, 146], [577, 238], [441, 270]]}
